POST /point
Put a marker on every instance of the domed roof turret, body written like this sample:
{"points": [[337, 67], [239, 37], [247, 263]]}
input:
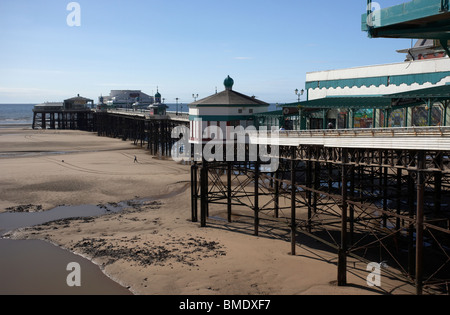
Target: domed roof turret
{"points": [[229, 82]]}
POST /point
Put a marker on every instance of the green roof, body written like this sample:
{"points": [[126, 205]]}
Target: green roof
{"points": [[434, 93], [345, 102], [272, 113], [378, 101]]}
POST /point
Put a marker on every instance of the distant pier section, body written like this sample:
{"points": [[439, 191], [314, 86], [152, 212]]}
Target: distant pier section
{"points": [[80, 113], [76, 113]]}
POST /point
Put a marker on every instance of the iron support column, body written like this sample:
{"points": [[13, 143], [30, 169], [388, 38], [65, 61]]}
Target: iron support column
{"points": [[293, 189], [256, 200], [430, 111], [203, 193], [399, 197], [419, 223], [411, 210], [194, 202], [277, 193], [316, 185], [308, 192], [352, 194], [229, 169], [342, 254]]}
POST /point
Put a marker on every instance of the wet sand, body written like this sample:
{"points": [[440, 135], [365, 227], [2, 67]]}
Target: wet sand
{"points": [[153, 247]]}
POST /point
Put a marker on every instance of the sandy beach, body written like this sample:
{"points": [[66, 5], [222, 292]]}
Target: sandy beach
{"points": [[152, 247]]}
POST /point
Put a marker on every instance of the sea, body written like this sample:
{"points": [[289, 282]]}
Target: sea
{"points": [[16, 114]]}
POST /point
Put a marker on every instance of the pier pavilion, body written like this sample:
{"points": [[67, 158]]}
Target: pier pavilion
{"points": [[414, 108], [73, 113], [224, 109], [415, 92], [411, 93]]}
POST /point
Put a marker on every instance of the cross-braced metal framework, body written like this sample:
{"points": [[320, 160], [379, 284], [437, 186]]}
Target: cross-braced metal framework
{"points": [[384, 205], [155, 134]]}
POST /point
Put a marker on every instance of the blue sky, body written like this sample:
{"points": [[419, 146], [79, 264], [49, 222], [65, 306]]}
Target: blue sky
{"points": [[183, 47]]}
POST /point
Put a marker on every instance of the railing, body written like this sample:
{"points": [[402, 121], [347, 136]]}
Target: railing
{"points": [[373, 132], [146, 113], [179, 115]]}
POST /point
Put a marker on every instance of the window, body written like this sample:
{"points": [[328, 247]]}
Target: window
{"points": [[240, 111], [250, 111]]}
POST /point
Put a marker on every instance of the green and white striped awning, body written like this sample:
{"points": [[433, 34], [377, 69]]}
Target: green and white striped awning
{"points": [[408, 98], [344, 102]]}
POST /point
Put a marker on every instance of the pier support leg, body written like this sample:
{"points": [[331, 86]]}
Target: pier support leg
{"points": [[411, 210], [204, 193], [277, 194], [34, 121], [437, 192], [352, 207], [194, 200], [385, 195], [419, 223], [229, 170], [316, 185], [399, 197], [256, 200], [43, 121], [293, 208], [342, 253], [308, 192]]}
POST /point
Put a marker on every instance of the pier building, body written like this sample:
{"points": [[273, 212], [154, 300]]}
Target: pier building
{"points": [[126, 98], [73, 113], [158, 107], [228, 108]]}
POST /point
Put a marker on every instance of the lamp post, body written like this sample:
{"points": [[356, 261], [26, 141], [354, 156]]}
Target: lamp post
{"points": [[177, 104], [195, 96], [299, 93]]}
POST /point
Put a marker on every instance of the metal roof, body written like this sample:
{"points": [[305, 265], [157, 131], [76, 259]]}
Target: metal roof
{"points": [[78, 98], [228, 98], [437, 92], [379, 101], [345, 102], [272, 113], [426, 19]]}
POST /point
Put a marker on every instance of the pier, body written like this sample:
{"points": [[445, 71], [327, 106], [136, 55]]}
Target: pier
{"points": [[151, 132], [56, 118], [75, 113], [378, 195], [375, 195]]}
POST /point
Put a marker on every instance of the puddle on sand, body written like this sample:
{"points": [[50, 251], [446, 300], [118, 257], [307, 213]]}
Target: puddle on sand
{"points": [[14, 220], [35, 267]]}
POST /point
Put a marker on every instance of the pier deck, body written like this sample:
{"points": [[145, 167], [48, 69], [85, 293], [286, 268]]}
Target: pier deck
{"points": [[414, 138]]}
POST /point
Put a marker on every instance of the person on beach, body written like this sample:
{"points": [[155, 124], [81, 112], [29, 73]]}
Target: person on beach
{"points": [[135, 159]]}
